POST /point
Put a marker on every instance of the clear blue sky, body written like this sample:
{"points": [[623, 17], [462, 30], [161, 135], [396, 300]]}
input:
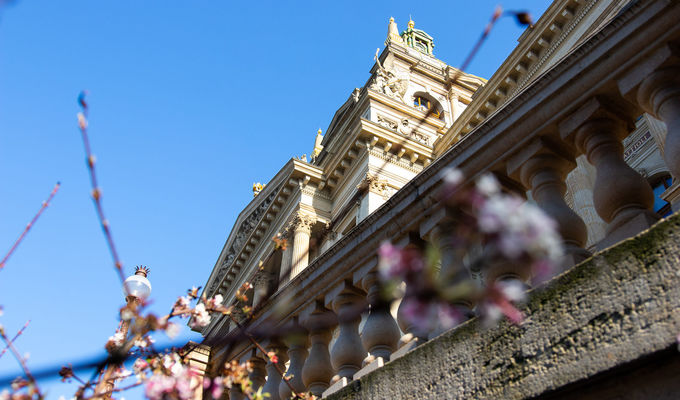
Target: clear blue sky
{"points": [[191, 102]]}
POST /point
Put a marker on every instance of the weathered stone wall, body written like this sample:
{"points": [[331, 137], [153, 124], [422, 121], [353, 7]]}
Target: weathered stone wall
{"points": [[596, 319]]}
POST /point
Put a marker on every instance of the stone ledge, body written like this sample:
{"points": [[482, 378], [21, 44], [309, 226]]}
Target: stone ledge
{"points": [[617, 307]]}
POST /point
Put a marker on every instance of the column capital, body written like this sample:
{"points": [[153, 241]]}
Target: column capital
{"points": [[301, 222], [374, 184]]}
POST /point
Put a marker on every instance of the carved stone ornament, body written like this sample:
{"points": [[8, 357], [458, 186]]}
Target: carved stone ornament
{"points": [[375, 185], [406, 130], [242, 234], [301, 222], [388, 123], [390, 83]]}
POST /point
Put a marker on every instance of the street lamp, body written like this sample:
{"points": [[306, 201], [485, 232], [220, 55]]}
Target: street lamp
{"points": [[136, 289]]}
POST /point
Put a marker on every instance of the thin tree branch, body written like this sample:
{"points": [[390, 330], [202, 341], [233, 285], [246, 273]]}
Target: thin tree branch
{"points": [[45, 204], [15, 337], [96, 191]]}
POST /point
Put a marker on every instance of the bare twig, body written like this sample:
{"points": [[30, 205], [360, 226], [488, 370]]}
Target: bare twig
{"points": [[15, 337], [21, 362], [45, 204], [96, 191]]}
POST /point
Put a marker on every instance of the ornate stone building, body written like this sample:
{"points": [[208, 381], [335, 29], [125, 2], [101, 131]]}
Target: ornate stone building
{"points": [[582, 118]]}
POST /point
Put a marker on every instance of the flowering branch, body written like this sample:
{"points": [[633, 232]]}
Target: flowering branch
{"points": [[45, 204]]}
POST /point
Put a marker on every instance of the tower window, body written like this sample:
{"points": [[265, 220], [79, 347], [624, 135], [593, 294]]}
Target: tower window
{"points": [[424, 104]]}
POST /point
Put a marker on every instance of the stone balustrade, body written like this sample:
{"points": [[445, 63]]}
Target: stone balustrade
{"points": [[532, 142]]}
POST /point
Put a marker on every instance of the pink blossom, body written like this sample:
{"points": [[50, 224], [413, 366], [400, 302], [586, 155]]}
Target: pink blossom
{"points": [[499, 300], [144, 342], [216, 386], [424, 316], [200, 316], [396, 262], [172, 330], [488, 185], [215, 301]]}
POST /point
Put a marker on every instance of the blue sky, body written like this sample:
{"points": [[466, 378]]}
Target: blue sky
{"points": [[191, 102]]}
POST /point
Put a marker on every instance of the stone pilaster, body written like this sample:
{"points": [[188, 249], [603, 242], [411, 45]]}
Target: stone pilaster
{"points": [[301, 226]]}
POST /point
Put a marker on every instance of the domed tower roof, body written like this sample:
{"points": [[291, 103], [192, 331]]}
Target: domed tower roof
{"points": [[417, 39]]}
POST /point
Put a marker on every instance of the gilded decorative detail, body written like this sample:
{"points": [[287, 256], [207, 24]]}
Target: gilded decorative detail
{"points": [[257, 188]]}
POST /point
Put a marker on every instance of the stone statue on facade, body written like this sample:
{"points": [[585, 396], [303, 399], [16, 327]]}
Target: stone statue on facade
{"points": [[387, 82]]}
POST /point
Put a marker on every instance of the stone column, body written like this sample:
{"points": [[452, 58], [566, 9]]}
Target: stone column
{"points": [[380, 334], [302, 230], [273, 375], [348, 352], [621, 196], [297, 341], [317, 371]]}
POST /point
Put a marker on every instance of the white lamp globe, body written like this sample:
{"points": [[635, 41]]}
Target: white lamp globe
{"points": [[138, 285]]}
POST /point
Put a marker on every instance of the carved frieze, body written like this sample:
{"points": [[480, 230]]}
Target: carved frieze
{"points": [[387, 123], [406, 129], [244, 230]]}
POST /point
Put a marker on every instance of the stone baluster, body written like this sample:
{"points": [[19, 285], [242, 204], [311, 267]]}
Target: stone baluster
{"points": [[297, 341], [302, 230], [258, 374], [413, 335], [348, 352], [273, 375], [543, 171], [453, 271], [658, 94], [317, 371], [235, 393], [621, 196], [380, 334]]}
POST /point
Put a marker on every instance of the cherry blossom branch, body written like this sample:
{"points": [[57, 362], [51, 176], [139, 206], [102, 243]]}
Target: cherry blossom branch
{"points": [[264, 351], [96, 191], [21, 362], [15, 337], [45, 204]]}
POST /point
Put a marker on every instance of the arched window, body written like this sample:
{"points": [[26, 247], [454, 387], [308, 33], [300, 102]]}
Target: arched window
{"points": [[659, 185], [423, 103]]}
